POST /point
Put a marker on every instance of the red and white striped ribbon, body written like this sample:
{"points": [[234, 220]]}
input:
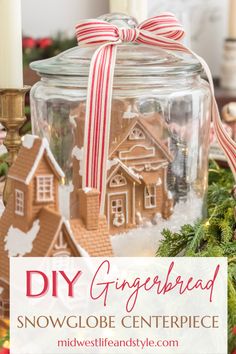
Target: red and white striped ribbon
{"points": [[163, 31]]}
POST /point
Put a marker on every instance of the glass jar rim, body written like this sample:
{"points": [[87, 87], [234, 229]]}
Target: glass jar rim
{"points": [[132, 60]]}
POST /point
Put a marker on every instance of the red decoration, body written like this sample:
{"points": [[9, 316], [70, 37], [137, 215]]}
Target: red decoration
{"points": [[28, 43], [233, 352], [4, 351], [234, 330], [44, 42]]}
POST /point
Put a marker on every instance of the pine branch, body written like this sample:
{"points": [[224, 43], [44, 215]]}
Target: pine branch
{"points": [[212, 237]]}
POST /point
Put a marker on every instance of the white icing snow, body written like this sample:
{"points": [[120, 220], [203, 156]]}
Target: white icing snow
{"points": [[28, 141], [18, 243], [87, 189], [159, 182], [129, 114], [111, 163], [64, 199], [131, 171], [2, 207], [144, 241], [3, 149], [78, 153], [81, 249], [72, 119]]}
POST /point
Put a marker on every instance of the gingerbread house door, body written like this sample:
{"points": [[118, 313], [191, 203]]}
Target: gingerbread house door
{"points": [[117, 210]]}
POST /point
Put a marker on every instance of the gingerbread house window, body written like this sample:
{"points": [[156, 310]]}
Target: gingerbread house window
{"points": [[118, 181], [19, 202], [150, 197], [136, 134], [44, 188], [117, 206]]}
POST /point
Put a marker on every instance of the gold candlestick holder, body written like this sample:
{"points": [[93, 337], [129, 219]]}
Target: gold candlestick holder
{"points": [[12, 117]]}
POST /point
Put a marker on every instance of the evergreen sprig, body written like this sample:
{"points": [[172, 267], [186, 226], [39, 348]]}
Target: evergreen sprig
{"points": [[211, 237]]}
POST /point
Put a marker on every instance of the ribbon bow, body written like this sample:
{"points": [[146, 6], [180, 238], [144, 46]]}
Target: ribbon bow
{"points": [[163, 31]]}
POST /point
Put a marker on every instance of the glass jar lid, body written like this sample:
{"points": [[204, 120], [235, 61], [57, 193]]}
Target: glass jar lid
{"points": [[132, 59]]}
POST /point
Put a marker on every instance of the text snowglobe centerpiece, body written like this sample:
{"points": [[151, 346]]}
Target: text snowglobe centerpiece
{"points": [[158, 147]]}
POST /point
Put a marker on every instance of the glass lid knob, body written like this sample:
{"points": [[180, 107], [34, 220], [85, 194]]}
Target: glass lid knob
{"points": [[120, 20]]}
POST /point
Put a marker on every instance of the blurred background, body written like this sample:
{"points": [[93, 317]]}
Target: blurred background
{"points": [[205, 21]]}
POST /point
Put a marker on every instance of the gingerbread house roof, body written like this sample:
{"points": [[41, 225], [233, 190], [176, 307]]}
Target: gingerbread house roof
{"points": [[95, 242], [116, 164], [150, 128], [29, 157], [47, 227]]}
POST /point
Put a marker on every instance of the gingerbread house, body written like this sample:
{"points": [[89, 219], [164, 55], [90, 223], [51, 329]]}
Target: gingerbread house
{"points": [[139, 158], [31, 224]]}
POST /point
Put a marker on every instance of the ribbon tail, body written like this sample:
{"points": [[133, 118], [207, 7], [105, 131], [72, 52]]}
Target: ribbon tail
{"points": [[97, 120], [226, 142]]}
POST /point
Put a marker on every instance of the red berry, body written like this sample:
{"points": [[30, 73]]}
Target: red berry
{"points": [[233, 352], [45, 42], [4, 351], [234, 330], [28, 42]]}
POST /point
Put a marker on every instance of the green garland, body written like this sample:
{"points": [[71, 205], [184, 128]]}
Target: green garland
{"points": [[212, 237], [59, 44]]}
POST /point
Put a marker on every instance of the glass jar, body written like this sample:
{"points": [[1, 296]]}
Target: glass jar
{"points": [[158, 155]]}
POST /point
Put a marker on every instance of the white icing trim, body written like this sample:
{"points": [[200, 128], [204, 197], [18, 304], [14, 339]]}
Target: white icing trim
{"points": [[118, 181], [61, 244], [134, 202], [129, 170], [154, 140], [87, 189], [44, 147], [152, 168], [150, 153], [154, 162], [147, 197], [136, 134], [126, 206], [19, 202], [70, 232], [41, 181]]}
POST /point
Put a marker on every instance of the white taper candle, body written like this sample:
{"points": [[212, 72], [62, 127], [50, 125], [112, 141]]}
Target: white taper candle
{"points": [[11, 67], [232, 19], [135, 8]]}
